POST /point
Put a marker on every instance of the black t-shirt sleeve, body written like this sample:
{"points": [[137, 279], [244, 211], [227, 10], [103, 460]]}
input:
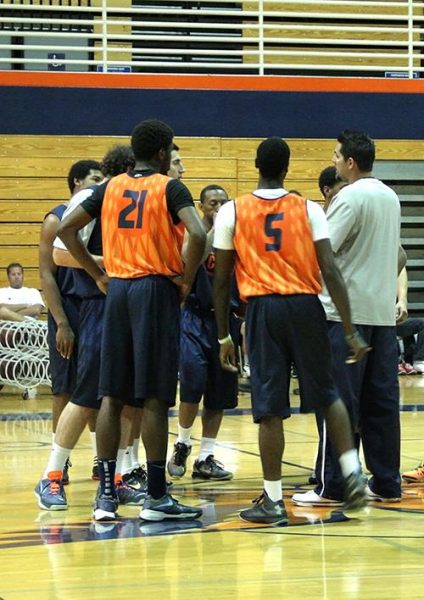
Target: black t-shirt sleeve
{"points": [[93, 204], [177, 197]]}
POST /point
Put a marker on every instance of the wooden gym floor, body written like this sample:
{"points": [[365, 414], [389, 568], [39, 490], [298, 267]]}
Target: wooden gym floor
{"points": [[320, 554]]}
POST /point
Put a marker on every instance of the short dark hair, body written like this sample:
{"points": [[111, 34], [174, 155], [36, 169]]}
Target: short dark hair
{"points": [[12, 266], [272, 157], [118, 160], [359, 146], [328, 178], [209, 188], [175, 147], [150, 136], [80, 170]]}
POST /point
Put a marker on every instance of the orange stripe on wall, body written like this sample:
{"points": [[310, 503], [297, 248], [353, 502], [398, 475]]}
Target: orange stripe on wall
{"points": [[212, 82]]}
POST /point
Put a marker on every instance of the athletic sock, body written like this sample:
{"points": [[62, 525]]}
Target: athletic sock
{"points": [[57, 459], [119, 463], [127, 462], [184, 435], [107, 468], [207, 446], [349, 462], [273, 490], [156, 482], [135, 463]]}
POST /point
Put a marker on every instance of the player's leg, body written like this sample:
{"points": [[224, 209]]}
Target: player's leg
{"points": [[193, 378], [155, 314], [270, 377], [221, 394]]}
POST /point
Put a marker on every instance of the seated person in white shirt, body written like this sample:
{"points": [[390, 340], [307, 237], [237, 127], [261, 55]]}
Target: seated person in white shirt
{"points": [[20, 300]]}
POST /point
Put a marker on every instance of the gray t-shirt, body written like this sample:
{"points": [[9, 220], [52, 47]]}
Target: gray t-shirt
{"points": [[364, 227]]}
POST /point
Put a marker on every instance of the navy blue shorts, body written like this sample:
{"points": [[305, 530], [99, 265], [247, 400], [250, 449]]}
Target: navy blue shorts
{"points": [[63, 372], [141, 337], [88, 369], [282, 330], [201, 373]]}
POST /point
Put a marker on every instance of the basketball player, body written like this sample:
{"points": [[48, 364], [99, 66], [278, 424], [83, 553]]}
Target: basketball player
{"points": [[279, 242], [63, 304], [85, 400], [142, 257], [201, 374]]}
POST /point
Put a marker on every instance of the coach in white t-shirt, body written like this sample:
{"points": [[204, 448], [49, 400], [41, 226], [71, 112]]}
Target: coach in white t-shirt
{"points": [[364, 228], [24, 301]]}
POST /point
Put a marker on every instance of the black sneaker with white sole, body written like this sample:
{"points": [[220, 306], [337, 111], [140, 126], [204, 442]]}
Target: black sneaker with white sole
{"points": [[105, 508], [210, 468], [167, 508]]}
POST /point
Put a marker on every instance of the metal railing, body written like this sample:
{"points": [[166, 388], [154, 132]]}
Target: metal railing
{"points": [[329, 37]]}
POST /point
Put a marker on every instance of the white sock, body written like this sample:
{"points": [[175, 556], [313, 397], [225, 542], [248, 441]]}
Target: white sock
{"points": [[184, 435], [349, 462], [57, 459], [93, 442], [274, 490], [134, 454], [127, 463], [120, 461], [207, 446]]}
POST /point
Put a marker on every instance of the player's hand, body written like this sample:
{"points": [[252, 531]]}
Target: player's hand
{"points": [[401, 313], [227, 356], [65, 339], [102, 283], [358, 348]]}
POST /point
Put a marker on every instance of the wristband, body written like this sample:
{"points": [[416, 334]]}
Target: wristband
{"points": [[228, 338], [352, 336]]}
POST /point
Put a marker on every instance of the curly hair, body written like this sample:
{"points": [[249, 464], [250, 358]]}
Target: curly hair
{"points": [[117, 160], [150, 136]]}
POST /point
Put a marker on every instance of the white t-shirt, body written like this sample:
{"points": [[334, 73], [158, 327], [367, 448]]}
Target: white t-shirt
{"points": [[21, 295], [226, 220], [85, 232], [364, 226]]}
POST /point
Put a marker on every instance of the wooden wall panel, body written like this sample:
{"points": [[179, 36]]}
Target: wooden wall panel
{"points": [[33, 172]]}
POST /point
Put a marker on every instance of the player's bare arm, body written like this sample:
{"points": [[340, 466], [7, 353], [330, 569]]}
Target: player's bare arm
{"points": [[64, 336], [224, 266], [195, 247]]}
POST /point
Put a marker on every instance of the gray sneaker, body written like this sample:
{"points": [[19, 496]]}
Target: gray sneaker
{"points": [[210, 468], [355, 494], [167, 508], [177, 464], [265, 511]]}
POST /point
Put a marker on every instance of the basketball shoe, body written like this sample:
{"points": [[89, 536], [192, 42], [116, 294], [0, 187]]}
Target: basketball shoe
{"points": [[167, 508], [177, 464], [265, 511], [51, 493]]}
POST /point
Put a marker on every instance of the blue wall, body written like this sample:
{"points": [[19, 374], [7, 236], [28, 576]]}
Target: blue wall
{"points": [[94, 111]]}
